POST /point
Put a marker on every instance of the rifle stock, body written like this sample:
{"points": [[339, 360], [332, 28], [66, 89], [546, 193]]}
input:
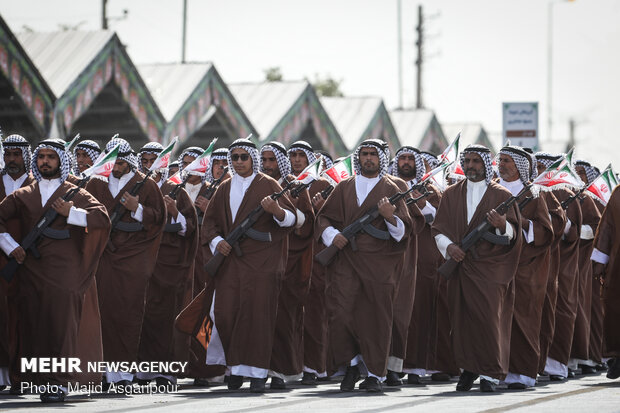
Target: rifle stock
{"points": [[326, 256]]}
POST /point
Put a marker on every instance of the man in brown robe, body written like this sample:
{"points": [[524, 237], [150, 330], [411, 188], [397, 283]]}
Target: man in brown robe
{"points": [[515, 167], [287, 356], [51, 296], [481, 292], [245, 299], [16, 174], [579, 353], [129, 257], [170, 287], [315, 312], [606, 268], [566, 298], [410, 169], [361, 281], [200, 192]]}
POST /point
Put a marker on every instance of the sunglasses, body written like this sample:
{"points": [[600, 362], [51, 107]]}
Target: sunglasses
{"points": [[244, 157]]}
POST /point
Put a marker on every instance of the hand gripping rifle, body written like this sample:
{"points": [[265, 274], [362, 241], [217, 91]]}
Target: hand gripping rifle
{"points": [[42, 229], [176, 227], [364, 223], [571, 198], [448, 268], [241, 231]]}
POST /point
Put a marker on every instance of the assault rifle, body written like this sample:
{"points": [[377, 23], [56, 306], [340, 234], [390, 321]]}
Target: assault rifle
{"points": [[571, 198], [325, 193], [364, 223], [241, 231], [42, 229], [448, 268], [119, 210]]}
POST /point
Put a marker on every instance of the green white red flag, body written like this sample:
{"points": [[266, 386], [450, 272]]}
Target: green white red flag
{"points": [[340, 171], [311, 173], [163, 158], [202, 162], [69, 145], [104, 163], [560, 173], [602, 187], [176, 178]]}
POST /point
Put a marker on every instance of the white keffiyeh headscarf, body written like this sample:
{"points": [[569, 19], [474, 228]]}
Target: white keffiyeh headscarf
{"points": [[125, 153], [420, 170], [284, 164], [250, 148], [485, 154], [383, 159], [19, 142], [58, 146]]}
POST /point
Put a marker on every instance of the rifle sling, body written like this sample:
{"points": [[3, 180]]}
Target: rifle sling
{"points": [[496, 239], [176, 227], [375, 232], [129, 226], [57, 234]]}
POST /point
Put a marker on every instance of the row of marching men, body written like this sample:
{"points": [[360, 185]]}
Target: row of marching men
{"points": [[132, 254]]}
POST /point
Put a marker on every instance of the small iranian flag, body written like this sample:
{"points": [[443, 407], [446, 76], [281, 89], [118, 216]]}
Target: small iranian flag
{"points": [[430, 174], [201, 164], [311, 173], [163, 158], [603, 186], [340, 171], [104, 163], [176, 178], [69, 145], [451, 152], [560, 173]]}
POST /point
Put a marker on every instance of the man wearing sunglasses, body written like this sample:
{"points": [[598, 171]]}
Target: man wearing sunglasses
{"points": [[247, 283], [362, 278]]}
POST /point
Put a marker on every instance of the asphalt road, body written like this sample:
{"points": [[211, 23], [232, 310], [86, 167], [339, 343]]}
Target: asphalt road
{"points": [[583, 394]]}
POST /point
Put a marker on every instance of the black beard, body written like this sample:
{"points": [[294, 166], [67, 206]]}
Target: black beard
{"points": [[51, 174], [404, 174]]}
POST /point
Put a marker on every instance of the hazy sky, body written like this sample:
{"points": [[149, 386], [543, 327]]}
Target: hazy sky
{"points": [[480, 52]]}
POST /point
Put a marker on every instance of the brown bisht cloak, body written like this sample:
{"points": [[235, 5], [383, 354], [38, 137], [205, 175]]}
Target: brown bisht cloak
{"points": [[361, 285], [125, 267], [581, 335], [315, 313], [287, 356], [423, 323], [481, 293], [530, 288], [595, 349], [170, 287], [568, 276], [53, 297], [8, 311], [547, 325], [247, 287], [405, 284], [608, 242]]}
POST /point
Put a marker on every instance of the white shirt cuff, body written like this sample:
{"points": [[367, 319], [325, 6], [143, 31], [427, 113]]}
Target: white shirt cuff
{"points": [[7, 243], [429, 210], [442, 244], [77, 217], [181, 220], [567, 227], [288, 221], [529, 234], [510, 233], [396, 231], [586, 232], [214, 243], [137, 214], [599, 256], [328, 235], [301, 218]]}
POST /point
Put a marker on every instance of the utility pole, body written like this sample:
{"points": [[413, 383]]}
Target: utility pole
{"points": [[184, 30], [104, 15], [400, 55], [419, 60], [571, 133]]}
